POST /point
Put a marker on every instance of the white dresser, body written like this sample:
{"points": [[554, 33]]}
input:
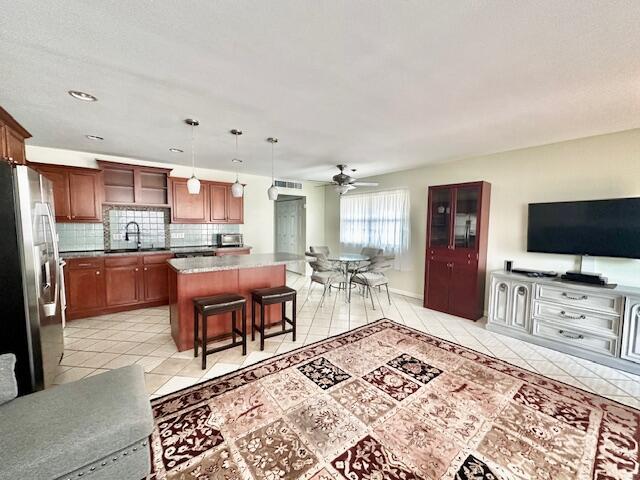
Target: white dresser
{"points": [[599, 324]]}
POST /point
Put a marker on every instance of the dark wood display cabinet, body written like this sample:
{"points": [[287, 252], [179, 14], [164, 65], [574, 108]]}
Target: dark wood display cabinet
{"points": [[135, 185], [456, 250]]}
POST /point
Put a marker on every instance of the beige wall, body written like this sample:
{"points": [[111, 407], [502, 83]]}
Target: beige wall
{"points": [[258, 225], [605, 166]]}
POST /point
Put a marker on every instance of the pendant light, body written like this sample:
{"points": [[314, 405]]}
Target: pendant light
{"points": [[273, 190], [193, 184], [237, 189]]}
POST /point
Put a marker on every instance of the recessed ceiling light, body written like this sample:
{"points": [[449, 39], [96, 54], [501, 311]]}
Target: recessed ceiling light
{"points": [[94, 137], [176, 150], [85, 97]]}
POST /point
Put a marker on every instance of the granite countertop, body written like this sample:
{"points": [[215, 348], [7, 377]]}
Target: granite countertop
{"points": [[231, 262], [102, 253]]}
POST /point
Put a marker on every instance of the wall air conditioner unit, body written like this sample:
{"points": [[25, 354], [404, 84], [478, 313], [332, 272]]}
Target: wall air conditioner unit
{"points": [[288, 184]]}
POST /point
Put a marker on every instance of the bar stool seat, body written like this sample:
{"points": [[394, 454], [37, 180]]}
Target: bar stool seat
{"points": [[204, 307], [272, 296]]}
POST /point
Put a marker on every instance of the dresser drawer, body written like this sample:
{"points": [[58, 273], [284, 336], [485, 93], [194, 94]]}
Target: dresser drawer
{"points": [[577, 317], [588, 341], [588, 300]]}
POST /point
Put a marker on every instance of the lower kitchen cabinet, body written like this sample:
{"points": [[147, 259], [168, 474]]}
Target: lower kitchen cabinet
{"points": [[96, 286]]}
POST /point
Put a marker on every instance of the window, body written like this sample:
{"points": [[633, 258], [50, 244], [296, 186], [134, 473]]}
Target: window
{"points": [[378, 219]]}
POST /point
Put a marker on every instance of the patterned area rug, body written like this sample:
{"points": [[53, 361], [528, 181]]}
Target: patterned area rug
{"points": [[388, 402]]}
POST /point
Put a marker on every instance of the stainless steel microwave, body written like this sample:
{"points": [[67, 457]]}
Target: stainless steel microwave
{"points": [[229, 240]]}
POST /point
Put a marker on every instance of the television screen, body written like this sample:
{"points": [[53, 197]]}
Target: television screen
{"points": [[606, 228]]}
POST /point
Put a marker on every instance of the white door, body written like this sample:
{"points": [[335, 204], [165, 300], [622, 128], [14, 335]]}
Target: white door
{"points": [[290, 230]]}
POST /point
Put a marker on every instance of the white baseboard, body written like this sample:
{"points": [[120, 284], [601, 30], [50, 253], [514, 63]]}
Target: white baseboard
{"points": [[405, 293]]}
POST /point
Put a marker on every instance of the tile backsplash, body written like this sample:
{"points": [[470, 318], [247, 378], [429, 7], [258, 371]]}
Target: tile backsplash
{"points": [[155, 231], [80, 236]]}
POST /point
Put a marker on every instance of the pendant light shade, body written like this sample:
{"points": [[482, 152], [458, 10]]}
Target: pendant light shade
{"points": [[237, 189], [193, 184], [272, 192]]}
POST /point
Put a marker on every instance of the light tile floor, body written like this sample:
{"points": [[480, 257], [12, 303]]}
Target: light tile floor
{"points": [[94, 345]]}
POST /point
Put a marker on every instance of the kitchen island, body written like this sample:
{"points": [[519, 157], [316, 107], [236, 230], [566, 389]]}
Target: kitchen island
{"points": [[205, 276]]}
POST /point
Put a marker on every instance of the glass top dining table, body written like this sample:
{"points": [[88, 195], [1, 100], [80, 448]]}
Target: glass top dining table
{"points": [[346, 260]]}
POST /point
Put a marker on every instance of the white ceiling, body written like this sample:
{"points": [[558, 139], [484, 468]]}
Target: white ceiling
{"points": [[379, 85]]}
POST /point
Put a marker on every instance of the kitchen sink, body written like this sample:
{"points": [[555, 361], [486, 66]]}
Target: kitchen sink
{"points": [[133, 250]]}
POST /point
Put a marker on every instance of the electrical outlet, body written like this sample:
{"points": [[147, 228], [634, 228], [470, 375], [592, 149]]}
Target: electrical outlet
{"points": [[177, 235], [117, 236]]}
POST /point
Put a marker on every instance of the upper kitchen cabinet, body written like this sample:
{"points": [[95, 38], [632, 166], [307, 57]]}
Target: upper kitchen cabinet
{"points": [[77, 192], [135, 185], [186, 207], [12, 137], [214, 203]]}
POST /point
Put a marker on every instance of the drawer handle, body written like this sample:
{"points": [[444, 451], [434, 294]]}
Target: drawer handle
{"points": [[572, 317], [572, 337], [570, 297], [522, 291], [85, 264], [502, 287]]}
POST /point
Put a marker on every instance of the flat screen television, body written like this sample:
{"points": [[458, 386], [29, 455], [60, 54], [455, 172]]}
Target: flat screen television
{"points": [[605, 228]]}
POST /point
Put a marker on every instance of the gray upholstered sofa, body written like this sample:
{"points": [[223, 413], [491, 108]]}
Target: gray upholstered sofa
{"points": [[96, 428]]}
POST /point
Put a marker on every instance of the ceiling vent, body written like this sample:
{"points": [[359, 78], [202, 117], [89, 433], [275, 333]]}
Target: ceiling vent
{"points": [[288, 184]]}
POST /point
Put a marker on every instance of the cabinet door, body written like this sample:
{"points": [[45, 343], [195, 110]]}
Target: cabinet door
{"points": [[156, 282], [519, 311], [185, 207], [499, 302], [437, 285], [84, 289], [122, 285], [15, 147], [60, 181], [236, 208], [465, 220], [440, 211], [84, 196], [218, 195], [631, 331], [463, 293]]}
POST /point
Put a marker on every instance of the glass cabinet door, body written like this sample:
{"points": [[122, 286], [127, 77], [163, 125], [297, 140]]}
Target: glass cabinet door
{"points": [[466, 217], [441, 202]]}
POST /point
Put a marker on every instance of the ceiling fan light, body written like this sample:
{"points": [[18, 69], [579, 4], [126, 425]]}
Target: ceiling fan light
{"points": [[193, 185], [273, 192], [342, 189], [237, 190]]}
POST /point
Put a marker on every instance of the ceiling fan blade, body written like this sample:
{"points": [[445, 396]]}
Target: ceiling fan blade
{"points": [[365, 184]]}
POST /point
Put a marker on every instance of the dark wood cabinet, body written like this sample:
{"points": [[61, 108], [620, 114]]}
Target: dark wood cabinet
{"points": [[77, 192], [12, 138], [456, 250], [123, 281], [185, 207], [218, 205], [214, 203], [126, 184], [84, 286], [99, 285]]}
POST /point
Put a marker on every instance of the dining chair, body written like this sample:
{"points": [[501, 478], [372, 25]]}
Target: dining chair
{"points": [[324, 272], [372, 275], [324, 250]]}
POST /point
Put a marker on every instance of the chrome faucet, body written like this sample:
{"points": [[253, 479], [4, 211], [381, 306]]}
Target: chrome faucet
{"points": [[137, 233]]}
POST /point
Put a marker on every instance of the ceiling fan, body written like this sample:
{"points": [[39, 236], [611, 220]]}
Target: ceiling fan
{"points": [[344, 182]]}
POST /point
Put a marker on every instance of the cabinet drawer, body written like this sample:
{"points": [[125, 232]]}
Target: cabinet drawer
{"points": [[589, 300], [156, 259], [578, 318], [92, 262], [121, 261], [575, 337]]}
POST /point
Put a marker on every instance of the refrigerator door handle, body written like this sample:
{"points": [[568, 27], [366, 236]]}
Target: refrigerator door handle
{"points": [[50, 307]]}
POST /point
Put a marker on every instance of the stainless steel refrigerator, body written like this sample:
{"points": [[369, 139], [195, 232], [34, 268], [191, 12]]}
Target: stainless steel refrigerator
{"points": [[31, 316]]}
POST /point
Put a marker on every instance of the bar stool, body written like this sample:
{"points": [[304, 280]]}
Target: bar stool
{"points": [[204, 307], [271, 296]]}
